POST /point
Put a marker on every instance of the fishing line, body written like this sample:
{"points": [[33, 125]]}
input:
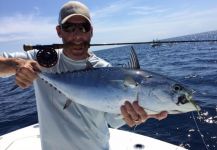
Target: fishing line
{"points": [[201, 135], [134, 128]]}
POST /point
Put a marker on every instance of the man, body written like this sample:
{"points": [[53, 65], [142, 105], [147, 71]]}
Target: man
{"points": [[76, 127]]}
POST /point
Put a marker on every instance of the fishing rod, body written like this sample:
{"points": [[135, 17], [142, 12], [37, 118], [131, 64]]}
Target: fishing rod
{"points": [[47, 55], [157, 43]]}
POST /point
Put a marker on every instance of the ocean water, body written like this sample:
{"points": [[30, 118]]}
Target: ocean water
{"points": [[194, 64]]}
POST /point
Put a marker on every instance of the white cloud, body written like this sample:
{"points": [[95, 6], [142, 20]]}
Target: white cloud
{"points": [[120, 21], [151, 22], [147, 10], [23, 27], [112, 9]]}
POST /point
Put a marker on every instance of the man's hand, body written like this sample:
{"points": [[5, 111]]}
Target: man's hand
{"points": [[134, 114], [26, 72]]}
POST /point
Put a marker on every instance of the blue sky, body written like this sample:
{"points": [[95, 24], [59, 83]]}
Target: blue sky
{"points": [[34, 21]]}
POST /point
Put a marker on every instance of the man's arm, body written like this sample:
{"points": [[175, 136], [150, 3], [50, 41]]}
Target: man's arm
{"points": [[25, 70], [8, 66]]}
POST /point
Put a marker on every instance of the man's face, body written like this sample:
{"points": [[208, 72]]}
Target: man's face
{"points": [[77, 33]]}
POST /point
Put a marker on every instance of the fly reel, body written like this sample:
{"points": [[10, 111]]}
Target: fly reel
{"points": [[47, 57]]}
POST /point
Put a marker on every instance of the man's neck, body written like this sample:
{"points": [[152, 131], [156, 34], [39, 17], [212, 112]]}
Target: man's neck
{"points": [[72, 56]]}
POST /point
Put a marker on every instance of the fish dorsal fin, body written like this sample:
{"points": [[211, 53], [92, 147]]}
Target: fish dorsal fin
{"points": [[134, 62]]}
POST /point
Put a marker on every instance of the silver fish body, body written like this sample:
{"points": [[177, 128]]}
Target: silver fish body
{"points": [[106, 89]]}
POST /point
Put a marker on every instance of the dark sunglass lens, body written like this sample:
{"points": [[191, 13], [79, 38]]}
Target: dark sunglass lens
{"points": [[82, 29], [71, 27], [87, 26], [68, 27]]}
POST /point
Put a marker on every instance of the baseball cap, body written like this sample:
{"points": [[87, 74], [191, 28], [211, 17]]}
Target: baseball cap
{"points": [[73, 8]]}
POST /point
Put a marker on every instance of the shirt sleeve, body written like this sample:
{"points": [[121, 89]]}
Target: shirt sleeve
{"points": [[114, 120], [23, 55]]}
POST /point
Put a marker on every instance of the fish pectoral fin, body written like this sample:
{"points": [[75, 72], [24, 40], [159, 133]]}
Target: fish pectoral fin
{"points": [[130, 82], [68, 102], [127, 82], [116, 81]]}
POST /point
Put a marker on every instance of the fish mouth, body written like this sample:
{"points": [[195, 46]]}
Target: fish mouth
{"points": [[184, 99], [195, 105]]}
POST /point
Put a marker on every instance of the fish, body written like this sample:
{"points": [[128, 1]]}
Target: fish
{"points": [[106, 89]]}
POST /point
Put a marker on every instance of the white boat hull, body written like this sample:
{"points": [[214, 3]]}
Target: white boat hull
{"points": [[29, 139]]}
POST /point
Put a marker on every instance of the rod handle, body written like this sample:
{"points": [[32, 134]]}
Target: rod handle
{"points": [[27, 47]]}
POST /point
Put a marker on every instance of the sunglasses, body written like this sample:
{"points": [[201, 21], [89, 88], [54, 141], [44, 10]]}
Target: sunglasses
{"points": [[71, 27]]}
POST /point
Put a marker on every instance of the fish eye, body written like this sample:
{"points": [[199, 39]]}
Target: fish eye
{"points": [[177, 87]]}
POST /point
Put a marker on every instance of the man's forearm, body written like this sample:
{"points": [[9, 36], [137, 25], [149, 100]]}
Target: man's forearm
{"points": [[8, 66]]}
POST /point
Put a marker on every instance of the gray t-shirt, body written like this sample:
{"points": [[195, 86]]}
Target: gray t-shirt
{"points": [[76, 127]]}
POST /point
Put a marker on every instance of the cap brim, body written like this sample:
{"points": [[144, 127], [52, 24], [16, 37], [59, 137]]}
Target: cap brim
{"points": [[69, 16]]}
